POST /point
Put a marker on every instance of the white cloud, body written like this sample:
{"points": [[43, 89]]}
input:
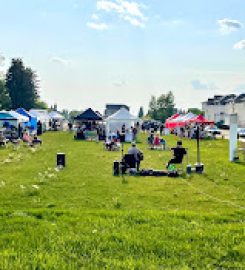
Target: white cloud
{"points": [[199, 85], [134, 21], [240, 45], [98, 26], [127, 11], [59, 60], [109, 6], [227, 26], [95, 17]]}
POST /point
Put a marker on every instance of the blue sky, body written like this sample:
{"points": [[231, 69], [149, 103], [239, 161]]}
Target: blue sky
{"points": [[88, 53]]}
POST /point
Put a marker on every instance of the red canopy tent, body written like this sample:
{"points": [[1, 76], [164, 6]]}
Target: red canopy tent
{"points": [[201, 119], [170, 119], [180, 121]]}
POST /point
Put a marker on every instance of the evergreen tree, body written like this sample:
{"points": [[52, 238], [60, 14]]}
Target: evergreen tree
{"points": [[22, 85], [141, 112], [5, 101]]}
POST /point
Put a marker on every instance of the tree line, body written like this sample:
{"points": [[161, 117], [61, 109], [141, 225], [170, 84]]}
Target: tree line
{"points": [[162, 107], [20, 88]]}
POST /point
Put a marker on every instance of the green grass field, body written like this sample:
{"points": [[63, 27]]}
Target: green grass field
{"points": [[85, 218]]}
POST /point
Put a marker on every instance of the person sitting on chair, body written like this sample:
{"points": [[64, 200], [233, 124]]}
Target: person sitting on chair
{"points": [[26, 138], [133, 150], [3, 140], [36, 140], [156, 140], [109, 144], [150, 140], [178, 154]]}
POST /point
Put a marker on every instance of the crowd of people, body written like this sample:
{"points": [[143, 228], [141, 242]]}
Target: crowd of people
{"points": [[89, 130], [13, 138], [113, 140]]}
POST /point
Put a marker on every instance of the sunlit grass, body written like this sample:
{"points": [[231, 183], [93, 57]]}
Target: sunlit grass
{"points": [[83, 217]]}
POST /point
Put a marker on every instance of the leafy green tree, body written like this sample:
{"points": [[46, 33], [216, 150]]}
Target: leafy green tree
{"points": [[195, 111], [162, 107], [22, 85], [73, 114], [141, 112], [153, 108], [39, 104], [5, 101]]}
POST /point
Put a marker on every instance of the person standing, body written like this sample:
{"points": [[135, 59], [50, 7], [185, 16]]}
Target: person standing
{"points": [[161, 129], [135, 131]]}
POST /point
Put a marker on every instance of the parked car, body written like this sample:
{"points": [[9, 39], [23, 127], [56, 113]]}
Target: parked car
{"points": [[241, 133], [213, 130], [148, 124]]}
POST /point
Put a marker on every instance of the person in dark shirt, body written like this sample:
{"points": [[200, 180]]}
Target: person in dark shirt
{"points": [[178, 154]]}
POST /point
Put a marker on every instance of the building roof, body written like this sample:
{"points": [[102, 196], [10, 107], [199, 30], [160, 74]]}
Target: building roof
{"points": [[240, 98], [227, 99], [223, 100]]}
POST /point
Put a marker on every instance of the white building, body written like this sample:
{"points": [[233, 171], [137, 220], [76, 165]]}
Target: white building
{"points": [[219, 108]]}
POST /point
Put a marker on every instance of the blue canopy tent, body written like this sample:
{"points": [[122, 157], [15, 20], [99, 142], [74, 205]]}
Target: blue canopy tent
{"points": [[32, 123], [13, 120]]}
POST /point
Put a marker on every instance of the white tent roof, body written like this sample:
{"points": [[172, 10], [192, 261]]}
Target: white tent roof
{"points": [[19, 117], [183, 118], [55, 115], [188, 116], [40, 114], [121, 115]]}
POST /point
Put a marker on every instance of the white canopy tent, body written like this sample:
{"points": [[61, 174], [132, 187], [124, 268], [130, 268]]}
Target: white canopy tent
{"points": [[122, 117], [19, 117], [42, 116], [56, 116]]}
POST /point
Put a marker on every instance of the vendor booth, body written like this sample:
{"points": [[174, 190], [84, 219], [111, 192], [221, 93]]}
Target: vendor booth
{"points": [[57, 120], [200, 119], [32, 123], [168, 120], [122, 118], [11, 120], [88, 125], [180, 120], [43, 119]]}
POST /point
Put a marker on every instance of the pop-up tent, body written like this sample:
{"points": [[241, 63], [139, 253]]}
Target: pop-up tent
{"points": [[12, 118], [201, 119], [122, 117], [181, 120], [88, 116], [32, 123], [42, 117], [168, 120], [186, 118], [54, 115]]}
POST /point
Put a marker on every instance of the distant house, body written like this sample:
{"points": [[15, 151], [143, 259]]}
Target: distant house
{"points": [[220, 107], [113, 108]]}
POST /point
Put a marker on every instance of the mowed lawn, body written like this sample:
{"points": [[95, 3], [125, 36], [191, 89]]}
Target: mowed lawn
{"points": [[83, 217]]}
